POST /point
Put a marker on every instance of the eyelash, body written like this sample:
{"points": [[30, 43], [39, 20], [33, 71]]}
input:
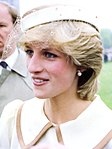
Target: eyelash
{"points": [[49, 54], [2, 25], [44, 53], [29, 52]]}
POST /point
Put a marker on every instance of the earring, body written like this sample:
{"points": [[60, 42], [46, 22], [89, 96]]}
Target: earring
{"points": [[79, 73]]}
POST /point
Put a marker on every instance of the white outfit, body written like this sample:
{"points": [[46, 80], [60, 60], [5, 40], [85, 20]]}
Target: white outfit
{"points": [[85, 132]]}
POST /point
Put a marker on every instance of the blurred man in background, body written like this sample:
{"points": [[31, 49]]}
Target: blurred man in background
{"points": [[15, 81]]}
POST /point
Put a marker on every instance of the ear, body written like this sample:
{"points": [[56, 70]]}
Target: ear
{"points": [[82, 69]]}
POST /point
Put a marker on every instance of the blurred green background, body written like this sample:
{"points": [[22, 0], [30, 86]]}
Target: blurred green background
{"points": [[105, 84]]}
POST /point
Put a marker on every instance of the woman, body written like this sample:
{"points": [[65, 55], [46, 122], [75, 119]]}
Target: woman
{"points": [[64, 57]]}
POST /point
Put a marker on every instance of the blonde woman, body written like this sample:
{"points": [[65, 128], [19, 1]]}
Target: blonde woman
{"points": [[64, 57]]}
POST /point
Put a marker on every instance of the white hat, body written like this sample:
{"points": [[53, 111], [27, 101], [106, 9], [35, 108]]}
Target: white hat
{"points": [[57, 12]]}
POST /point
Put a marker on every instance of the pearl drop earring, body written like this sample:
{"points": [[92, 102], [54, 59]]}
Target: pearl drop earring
{"points": [[79, 73]]}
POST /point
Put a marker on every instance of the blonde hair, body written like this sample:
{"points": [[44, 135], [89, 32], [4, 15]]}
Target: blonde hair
{"points": [[83, 45], [80, 41]]}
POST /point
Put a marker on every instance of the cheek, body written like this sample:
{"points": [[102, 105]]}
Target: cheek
{"points": [[62, 70], [63, 78], [5, 35], [8, 30], [55, 68]]}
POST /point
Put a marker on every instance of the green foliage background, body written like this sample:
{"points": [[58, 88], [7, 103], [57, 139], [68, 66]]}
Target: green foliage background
{"points": [[106, 36], [105, 84]]}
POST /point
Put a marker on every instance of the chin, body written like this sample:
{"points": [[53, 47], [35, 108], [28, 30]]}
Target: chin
{"points": [[40, 96]]}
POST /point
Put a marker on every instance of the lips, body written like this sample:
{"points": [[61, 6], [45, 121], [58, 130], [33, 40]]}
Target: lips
{"points": [[39, 81]]}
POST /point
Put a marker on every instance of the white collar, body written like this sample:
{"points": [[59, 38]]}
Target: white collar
{"points": [[89, 122], [12, 59]]}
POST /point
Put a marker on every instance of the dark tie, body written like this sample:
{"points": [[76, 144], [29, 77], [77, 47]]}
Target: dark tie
{"points": [[3, 64]]}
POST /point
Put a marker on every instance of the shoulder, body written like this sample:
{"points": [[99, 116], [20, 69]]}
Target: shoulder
{"points": [[103, 117], [103, 114], [7, 123], [109, 145], [10, 110], [33, 108], [34, 104], [106, 142], [102, 108]]}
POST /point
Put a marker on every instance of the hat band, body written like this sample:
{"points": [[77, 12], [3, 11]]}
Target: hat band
{"points": [[55, 13]]}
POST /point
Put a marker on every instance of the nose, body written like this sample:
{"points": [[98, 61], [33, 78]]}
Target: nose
{"points": [[35, 65]]}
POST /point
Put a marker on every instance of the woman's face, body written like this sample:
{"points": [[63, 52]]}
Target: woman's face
{"points": [[52, 73]]}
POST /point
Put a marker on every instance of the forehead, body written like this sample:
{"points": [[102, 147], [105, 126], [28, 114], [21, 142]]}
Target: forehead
{"points": [[42, 45], [4, 13], [3, 9]]}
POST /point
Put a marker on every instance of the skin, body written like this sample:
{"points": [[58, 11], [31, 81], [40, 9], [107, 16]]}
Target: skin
{"points": [[6, 26], [54, 77]]}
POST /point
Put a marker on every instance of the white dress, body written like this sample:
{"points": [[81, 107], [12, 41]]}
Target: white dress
{"points": [[85, 132]]}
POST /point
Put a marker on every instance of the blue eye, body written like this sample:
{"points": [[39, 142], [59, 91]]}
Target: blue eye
{"points": [[50, 55], [29, 52]]}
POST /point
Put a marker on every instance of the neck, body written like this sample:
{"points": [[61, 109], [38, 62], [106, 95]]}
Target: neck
{"points": [[61, 110]]}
